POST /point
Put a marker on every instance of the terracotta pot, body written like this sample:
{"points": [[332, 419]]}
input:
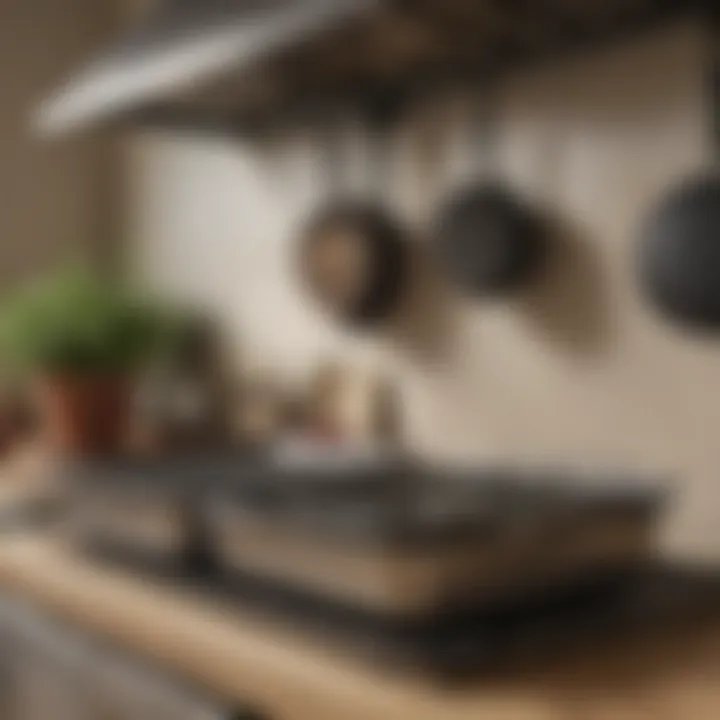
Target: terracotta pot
{"points": [[6, 433], [15, 424], [85, 414]]}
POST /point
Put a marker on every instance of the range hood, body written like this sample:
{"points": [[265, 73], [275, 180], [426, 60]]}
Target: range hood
{"points": [[182, 46], [231, 64]]}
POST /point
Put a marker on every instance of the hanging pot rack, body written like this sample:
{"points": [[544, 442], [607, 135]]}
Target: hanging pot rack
{"points": [[398, 48]]}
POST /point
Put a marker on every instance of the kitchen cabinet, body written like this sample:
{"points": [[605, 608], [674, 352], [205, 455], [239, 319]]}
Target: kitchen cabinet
{"points": [[50, 671]]}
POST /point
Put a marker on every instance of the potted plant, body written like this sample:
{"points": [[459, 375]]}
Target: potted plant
{"points": [[79, 339]]}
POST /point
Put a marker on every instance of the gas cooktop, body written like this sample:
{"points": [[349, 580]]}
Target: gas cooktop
{"points": [[435, 565]]}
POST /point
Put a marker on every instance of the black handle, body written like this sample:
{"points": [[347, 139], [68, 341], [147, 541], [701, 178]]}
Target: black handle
{"points": [[485, 125], [382, 112], [713, 14]]}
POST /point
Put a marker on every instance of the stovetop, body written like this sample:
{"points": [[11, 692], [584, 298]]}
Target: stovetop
{"points": [[395, 506], [397, 501]]}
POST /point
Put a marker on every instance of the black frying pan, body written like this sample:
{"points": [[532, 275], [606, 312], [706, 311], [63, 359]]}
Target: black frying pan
{"points": [[488, 238], [679, 255], [353, 255]]}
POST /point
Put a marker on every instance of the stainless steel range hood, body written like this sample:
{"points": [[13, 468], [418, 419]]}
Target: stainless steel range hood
{"points": [[181, 47]]}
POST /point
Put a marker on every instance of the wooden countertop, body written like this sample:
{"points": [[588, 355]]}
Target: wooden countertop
{"points": [[294, 677]]}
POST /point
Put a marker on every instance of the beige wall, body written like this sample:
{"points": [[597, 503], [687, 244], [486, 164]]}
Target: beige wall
{"points": [[52, 195], [577, 368]]}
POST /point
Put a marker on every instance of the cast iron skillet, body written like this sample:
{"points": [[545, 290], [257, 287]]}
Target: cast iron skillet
{"points": [[488, 239], [679, 257], [679, 253]]}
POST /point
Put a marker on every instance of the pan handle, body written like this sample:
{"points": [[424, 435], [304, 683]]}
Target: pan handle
{"points": [[484, 133], [714, 78]]}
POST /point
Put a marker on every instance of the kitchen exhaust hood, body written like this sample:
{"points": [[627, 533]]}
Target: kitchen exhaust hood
{"points": [[181, 47], [231, 65]]}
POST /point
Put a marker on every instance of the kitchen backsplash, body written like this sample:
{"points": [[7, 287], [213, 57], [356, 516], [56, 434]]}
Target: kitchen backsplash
{"points": [[574, 369]]}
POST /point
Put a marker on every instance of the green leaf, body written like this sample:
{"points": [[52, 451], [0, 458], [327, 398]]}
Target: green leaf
{"points": [[77, 322]]}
